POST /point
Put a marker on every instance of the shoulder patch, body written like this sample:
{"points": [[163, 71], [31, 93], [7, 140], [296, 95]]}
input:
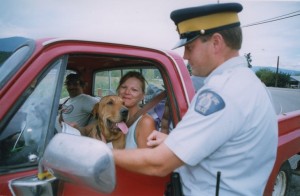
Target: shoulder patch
{"points": [[209, 102]]}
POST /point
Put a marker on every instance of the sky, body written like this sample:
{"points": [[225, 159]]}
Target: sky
{"points": [[147, 23]]}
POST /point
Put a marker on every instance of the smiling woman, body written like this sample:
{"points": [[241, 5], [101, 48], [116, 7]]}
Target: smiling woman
{"points": [[131, 85], [132, 89]]}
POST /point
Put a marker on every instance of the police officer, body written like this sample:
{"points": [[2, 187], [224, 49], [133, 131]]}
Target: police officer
{"points": [[231, 125]]}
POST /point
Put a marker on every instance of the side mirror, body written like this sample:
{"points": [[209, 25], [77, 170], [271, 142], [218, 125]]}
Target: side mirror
{"points": [[81, 160]]}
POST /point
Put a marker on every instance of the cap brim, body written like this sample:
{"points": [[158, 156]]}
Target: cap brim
{"points": [[184, 41]]}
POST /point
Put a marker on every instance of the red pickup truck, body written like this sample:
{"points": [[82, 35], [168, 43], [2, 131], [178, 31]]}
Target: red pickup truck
{"points": [[32, 83]]}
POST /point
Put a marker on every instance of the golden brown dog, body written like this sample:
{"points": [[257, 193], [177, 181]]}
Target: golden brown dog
{"points": [[110, 115]]}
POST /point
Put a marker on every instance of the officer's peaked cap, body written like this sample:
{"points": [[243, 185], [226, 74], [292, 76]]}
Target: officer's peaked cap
{"points": [[202, 20]]}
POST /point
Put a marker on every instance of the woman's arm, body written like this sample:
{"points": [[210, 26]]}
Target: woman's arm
{"points": [[143, 129]]}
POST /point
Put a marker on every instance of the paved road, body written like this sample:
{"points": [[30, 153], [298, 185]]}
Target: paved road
{"points": [[285, 99]]}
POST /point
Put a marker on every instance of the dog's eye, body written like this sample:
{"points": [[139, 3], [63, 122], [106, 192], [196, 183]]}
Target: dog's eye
{"points": [[110, 103]]}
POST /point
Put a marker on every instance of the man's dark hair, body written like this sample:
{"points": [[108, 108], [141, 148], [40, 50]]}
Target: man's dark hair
{"points": [[74, 78]]}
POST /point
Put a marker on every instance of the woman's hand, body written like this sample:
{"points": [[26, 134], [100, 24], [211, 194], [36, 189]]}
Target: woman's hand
{"points": [[155, 138]]}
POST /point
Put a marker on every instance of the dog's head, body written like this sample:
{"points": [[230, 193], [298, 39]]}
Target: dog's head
{"points": [[111, 115]]}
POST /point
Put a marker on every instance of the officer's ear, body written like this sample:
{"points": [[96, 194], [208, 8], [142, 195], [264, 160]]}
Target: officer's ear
{"points": [[218, 42]]}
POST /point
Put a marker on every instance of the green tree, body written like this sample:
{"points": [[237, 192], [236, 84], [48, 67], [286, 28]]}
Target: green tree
{"points": [[283, 79], [268, 77]]}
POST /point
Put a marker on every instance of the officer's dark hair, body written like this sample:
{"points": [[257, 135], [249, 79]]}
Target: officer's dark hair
{"points": [[233, 37]]}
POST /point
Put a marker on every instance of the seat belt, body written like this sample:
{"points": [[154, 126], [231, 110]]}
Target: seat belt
{"points": [[147, 107], [165, 119]]}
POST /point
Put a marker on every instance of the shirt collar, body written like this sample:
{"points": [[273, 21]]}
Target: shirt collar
{"points": [[238, 61]]}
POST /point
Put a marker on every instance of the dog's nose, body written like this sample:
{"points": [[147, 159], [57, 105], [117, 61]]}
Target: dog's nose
{"points": [[124, 113]]}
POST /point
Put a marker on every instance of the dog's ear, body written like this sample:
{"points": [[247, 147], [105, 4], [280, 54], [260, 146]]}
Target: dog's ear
{"points": [[95, 110]]}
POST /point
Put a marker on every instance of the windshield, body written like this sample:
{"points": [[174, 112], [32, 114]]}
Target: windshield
{"points": [[14, 51]]}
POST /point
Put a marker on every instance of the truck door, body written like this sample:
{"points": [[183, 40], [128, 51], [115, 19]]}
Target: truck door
{"points": [[27, 128]]}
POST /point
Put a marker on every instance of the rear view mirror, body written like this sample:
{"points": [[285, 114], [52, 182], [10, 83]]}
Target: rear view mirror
{"points": [[81, 160]]}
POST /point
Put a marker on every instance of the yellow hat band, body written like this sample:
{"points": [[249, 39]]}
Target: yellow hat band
{"points": [[208, 22]]}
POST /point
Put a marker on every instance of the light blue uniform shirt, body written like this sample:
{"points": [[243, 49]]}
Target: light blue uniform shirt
{"points": [[231, 127]]}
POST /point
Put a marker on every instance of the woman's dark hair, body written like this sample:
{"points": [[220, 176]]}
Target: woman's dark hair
{"points": [[133, 74]]}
